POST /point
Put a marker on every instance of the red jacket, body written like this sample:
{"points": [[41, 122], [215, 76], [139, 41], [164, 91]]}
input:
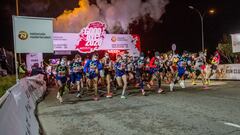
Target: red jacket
{"points": [[152, 63]]}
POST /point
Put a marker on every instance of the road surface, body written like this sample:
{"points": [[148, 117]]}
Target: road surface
{"points": [[189, 111]]}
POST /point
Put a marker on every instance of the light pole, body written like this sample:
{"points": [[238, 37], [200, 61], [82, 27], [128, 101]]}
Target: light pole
{"points": [[201, 18], [212, 11], [15, 54], [17, 8]]}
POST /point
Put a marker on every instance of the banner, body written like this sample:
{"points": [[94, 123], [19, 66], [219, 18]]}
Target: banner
{"points": [[235, 42], [228, 72], [120, 42], [65, 41], [68, 41], [91, 37], [32, 34], [116, 42], [33, 58], [17, 113]]}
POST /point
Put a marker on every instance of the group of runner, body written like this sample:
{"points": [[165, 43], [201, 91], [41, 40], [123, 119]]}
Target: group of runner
{"points": [[141, 71]]}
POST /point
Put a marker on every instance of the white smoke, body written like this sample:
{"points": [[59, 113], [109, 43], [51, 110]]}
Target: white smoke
{"points": [[117, 14]]}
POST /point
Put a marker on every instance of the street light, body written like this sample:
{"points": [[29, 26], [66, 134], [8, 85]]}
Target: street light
{"points": [[211, 11]]}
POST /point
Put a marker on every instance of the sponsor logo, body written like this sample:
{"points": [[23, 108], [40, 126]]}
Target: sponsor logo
{"points": [[113, 39], [23, 35], [91, 37]]}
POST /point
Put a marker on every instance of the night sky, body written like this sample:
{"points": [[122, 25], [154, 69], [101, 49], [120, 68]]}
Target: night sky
{"points": [[179, 25]]}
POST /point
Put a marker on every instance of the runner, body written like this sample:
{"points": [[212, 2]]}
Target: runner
{"points": [[108, 69], [92, 69], [174, 71], [129, 66], [213, 67], [154, 70], [76, 69], [182, 64], [120, 67], [191, 68], [62, 77], [140, 72], [200, 67]]}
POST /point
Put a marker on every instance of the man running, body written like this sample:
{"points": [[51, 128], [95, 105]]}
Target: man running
{"points": [[76, 68]]}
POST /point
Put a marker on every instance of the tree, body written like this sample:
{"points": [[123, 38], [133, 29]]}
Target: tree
{"points": [[225, 49]]}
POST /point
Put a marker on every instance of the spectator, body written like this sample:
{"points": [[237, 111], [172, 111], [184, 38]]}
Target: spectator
{"points": [[22, 70], [36, 70], [236, 59]]}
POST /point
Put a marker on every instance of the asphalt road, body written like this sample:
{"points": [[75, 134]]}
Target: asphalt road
{"points": [[189, 111]]}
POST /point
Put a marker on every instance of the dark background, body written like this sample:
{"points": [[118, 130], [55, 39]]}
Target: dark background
{"points": [[179, 25]]}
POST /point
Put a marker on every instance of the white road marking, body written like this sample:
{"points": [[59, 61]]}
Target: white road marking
{"points": [[232, 124]]}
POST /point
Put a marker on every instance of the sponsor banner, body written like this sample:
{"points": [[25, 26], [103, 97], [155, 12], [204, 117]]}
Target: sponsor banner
{"points": [[33, 58], [128, 42], [91, 37], [235, 43], [18, 110], [116, 42], [228, 72], [67, 42], [33, 34]]}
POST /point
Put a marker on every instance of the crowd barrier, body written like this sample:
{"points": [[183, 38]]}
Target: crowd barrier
{"points": [[227, 72], [17, 107]]}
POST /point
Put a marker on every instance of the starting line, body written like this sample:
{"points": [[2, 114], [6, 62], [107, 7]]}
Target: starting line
{"points": [[232, 124]]}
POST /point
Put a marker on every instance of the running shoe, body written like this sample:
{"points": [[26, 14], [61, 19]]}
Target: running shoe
{"points": [[123, 97], [149, 86], [194, 83], [60, 99], [143, 92], [96, 98], [171, 86], [182, 84], [58, 95], [160, 91], [109, 95], [78, 95], [205, 87]]}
